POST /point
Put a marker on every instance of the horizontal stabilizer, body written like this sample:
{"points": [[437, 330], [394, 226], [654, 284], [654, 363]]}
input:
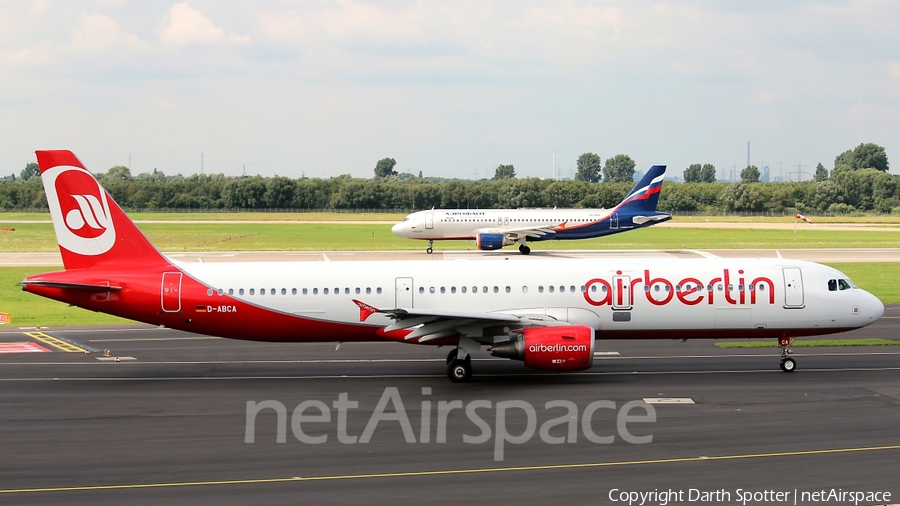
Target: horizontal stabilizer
{"points": [[73, 286]]}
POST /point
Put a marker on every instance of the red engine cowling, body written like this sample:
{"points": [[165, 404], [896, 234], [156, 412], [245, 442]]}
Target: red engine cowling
{"points": [[568, 348]]}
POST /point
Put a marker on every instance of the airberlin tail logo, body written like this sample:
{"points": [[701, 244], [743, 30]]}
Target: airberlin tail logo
{"points": [[80, 210]]}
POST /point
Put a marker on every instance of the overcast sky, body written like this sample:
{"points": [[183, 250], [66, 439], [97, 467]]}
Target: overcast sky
{"points": [[453, 89]]}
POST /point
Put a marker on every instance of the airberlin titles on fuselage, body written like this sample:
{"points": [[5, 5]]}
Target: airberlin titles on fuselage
{"points": [[689, 291]]}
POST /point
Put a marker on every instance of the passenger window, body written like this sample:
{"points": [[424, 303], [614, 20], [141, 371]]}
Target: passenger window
{"points": [[337, 291], [431, 289], [347, 291], [284, 291], [484, 289], [524, 289], [550, 288], [540, 288], [421, 289], [241, 291], [293, 291], [209, 292], [453, 289], [357, 290], [315, 291], [252, 291], [304, 291], [572, 288], [496, 289], [443, 289], [762, 287], [378, 290], [324, 291], [231, 291], [508, 289]]}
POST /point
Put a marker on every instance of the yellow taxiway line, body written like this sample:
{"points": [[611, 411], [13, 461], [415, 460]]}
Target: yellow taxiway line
{"points": [[446, 472], [57, 343]]}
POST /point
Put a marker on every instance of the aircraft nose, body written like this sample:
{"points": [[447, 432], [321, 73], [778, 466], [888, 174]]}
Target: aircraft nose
{"points": [[874, 306]]}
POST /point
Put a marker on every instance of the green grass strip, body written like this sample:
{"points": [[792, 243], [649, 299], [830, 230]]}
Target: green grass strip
{"points": [[809, 344]]}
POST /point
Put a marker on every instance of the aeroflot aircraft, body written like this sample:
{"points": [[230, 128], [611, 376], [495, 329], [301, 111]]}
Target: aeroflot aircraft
{"points": [[495, 228], [546, 313]]}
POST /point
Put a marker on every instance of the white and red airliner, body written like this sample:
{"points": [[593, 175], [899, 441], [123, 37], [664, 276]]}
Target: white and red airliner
{"points": [[546, 312]]}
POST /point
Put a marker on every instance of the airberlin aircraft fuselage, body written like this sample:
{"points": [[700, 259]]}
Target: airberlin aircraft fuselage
{"points": [[545, 312], [618, 298]]}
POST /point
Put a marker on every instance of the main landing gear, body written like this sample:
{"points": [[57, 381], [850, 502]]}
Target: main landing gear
{"points": [[524, 249], [787, 363], [459, 370], [430, 250]]}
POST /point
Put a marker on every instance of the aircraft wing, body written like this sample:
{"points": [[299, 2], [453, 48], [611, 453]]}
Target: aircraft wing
{"points": [[430, 324], [515, 234]]}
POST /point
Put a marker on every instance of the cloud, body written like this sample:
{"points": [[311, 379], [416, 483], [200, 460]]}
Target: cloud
{"points": [[185, 25], [96, 32], [894, 69]]}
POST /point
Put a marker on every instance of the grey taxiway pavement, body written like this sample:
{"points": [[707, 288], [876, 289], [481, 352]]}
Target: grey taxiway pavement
{"points": [[168, 423]]}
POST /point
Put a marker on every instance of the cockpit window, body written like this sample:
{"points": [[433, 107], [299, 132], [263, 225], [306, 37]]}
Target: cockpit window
{"points": [[840, 284], [406, 219]]}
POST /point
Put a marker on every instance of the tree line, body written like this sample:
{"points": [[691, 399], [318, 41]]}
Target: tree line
{"points": [[859, 181]]}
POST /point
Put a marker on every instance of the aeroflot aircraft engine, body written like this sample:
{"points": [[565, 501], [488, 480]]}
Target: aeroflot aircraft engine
{"points": [[568, 348], [491, 241]]}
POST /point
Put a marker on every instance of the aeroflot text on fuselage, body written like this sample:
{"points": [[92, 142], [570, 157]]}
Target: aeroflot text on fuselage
{"points": [[688, 291]]}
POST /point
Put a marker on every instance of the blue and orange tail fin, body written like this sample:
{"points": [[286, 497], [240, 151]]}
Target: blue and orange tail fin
{"points": [[90, 227]]}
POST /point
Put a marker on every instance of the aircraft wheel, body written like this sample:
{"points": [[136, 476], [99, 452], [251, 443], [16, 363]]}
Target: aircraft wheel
{"points": [[459, 371], [788, 365], [429, 250], [452, 355], [524, 249]]}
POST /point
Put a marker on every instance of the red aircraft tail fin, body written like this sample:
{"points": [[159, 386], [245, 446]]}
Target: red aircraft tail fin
{"points": [[90, 227]]}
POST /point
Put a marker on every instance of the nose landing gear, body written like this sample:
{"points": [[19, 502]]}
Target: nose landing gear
{"points": [[430, 250], [787, 363]]}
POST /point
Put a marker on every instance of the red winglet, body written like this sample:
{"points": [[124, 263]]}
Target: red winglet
{"points": [[365, 310]]}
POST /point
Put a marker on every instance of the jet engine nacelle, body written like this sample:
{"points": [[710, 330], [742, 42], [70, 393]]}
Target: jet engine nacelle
{"points": [[569, 348], [491, 241]]}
